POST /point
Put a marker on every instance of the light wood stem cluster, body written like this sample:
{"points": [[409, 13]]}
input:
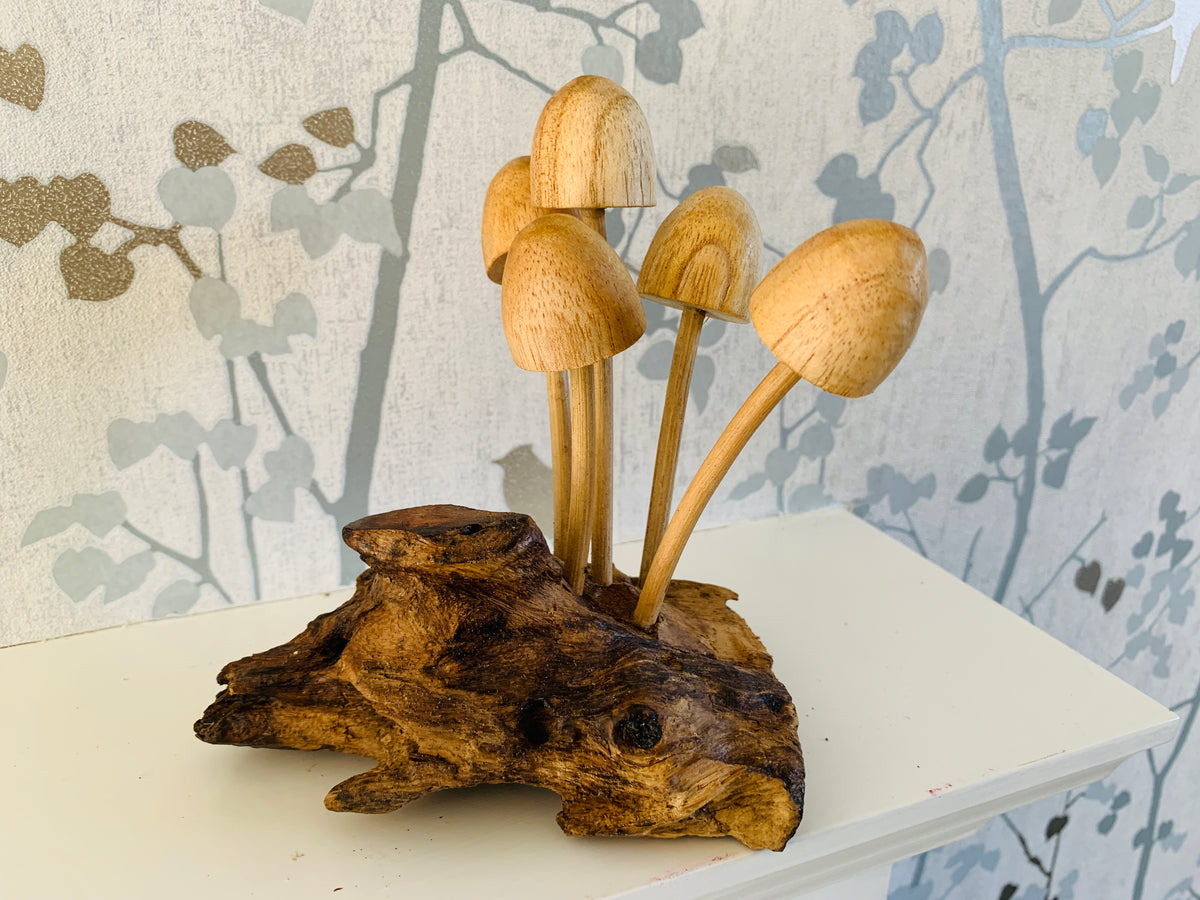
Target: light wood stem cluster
{"points": [[838, 311]]}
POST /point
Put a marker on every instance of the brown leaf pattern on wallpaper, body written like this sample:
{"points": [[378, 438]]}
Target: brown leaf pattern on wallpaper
{"points": [[292, 163], [23, 212], [22, 76], [92, 274], [198, 145], [81, 205], [331, 126]]}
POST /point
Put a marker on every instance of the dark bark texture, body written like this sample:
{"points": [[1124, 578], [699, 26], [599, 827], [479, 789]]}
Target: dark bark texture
{"points": [[463, 658]]}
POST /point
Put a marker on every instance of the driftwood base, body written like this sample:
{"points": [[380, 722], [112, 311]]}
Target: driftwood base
{"points": [[463, 658]]}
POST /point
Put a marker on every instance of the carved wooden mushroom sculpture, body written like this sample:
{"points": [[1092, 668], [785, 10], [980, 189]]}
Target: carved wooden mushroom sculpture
{"points": [[507, 208], [839, 311], [592, 151], [568, 303], [704, 261]]}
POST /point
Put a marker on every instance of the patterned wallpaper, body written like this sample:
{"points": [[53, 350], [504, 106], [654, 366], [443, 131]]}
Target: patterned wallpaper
{"points": [[242, 303]]}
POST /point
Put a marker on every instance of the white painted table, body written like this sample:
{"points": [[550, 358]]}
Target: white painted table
{"points": [[925, 709]]}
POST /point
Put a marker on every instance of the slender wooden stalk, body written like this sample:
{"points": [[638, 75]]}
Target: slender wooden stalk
{"points": [[745, 422], [669, 433], [602, 483], [583, 473], [594, 219], [603, 502], [560, 451]]}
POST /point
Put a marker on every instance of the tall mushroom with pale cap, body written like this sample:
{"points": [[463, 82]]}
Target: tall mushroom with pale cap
{"points": [[507, 208], [568, 303], [839, 311], [592, 151], [704, 261]]}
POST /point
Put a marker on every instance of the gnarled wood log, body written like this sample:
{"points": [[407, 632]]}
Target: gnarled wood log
{"points": [[463, 658]]}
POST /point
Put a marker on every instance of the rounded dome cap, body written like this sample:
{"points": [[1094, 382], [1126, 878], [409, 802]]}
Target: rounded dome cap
{"points": [[592, 148], [567, 300], [842, 308], [507, 208], [705, 255]]}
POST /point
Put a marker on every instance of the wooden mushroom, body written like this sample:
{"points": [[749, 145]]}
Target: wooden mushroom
{"points": [[507, 208], [704, 260], [568, 303], [839, 311], [592, 151]]}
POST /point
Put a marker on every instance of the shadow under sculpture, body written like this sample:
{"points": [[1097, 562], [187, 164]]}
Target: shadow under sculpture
{"points": [[464, 658]]}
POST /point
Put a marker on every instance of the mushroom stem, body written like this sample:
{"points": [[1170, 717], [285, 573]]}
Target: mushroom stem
{"points": [[745, 422], [602, 485], [594, 219], [560, 451], [583, 463], [674, 409], [602, 510]]}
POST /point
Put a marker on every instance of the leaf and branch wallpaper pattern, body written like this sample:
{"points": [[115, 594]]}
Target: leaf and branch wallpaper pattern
{"points": [[273, 205]]}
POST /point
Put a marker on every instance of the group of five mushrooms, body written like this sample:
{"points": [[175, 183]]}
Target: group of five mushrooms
{"points": [[838, 311]]}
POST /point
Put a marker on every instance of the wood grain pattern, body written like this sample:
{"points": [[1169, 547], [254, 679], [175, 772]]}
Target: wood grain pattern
{"points": [[592, 148], [670, 433], [558, 396], [602, 502], [567, 299], [741, 427], [842, 308], [705, 255], [704, 260], [463, 659], [583, 475], [507, 208]]}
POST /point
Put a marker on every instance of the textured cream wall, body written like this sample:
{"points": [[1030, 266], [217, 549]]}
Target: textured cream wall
{"points": [[294, 356]]}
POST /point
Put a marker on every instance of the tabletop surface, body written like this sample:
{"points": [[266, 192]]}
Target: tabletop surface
{"points": [[915, 724]]}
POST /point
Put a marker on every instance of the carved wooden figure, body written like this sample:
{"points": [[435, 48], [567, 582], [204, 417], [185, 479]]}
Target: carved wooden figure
{"points": [[568, 303], [704, 261], [469, 654], [839, 311], [463, 659], [507, 208], [592, 151]]}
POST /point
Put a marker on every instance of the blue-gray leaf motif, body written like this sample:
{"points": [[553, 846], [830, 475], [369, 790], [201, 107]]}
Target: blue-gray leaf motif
{"points": [[927, 38], [603, 60], [744, 489], [735, 158], [288, 468], [204, 198], [98, 513], [1157, 166], [297, 9], [1063, 10], [1141, 212], [176, 599], [130, 442], [655, 363], [816, 441], [704, 372], [80, 572], [1090, 128], [939, 270]]}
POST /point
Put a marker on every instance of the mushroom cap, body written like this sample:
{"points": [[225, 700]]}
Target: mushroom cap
{"points": [[842, 308], [567, 299], [592, 148], [705, 255], [507, 208]]}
